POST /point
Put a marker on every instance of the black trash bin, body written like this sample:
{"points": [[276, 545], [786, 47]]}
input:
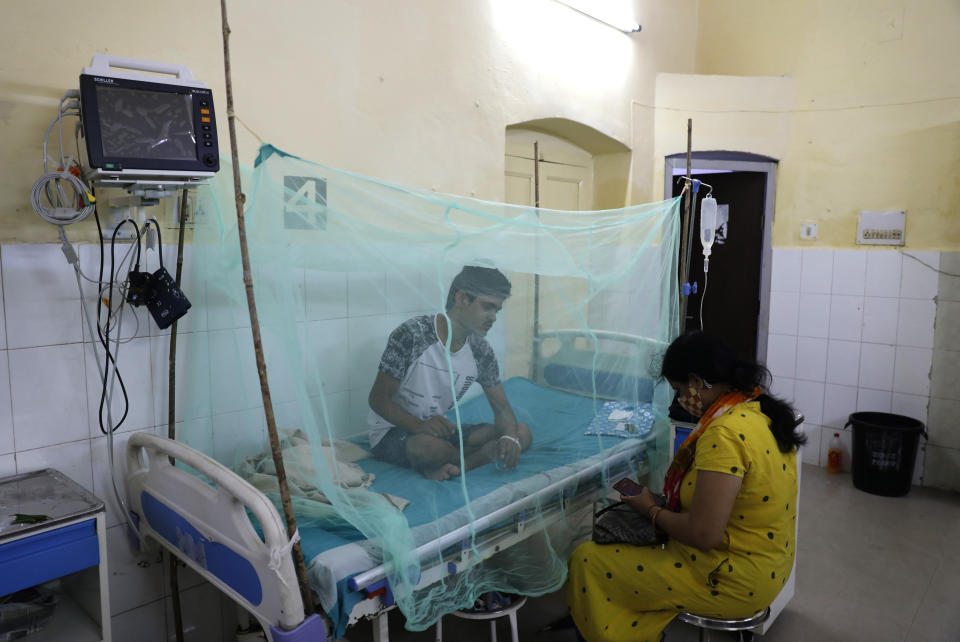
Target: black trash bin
{"points": [[884, 452]]}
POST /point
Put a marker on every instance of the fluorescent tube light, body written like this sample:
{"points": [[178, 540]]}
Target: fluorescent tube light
{"points": [[602, 12]]}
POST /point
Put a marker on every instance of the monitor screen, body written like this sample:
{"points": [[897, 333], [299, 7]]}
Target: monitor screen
{"points": [[137, 123]]}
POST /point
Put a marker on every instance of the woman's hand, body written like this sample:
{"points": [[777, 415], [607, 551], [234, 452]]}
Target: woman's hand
{"points": [[641, 503]]}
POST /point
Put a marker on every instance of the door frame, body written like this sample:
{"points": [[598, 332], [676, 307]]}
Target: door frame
{"points": [[740, 162]]}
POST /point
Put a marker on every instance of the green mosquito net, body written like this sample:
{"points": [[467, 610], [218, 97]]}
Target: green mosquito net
{"points": [[510, 350]]}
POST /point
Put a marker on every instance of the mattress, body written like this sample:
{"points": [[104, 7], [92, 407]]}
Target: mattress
{"points": [[560, 450]]}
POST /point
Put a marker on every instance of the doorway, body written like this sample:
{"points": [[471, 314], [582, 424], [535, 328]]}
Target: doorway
{"points": [[736, 302]]}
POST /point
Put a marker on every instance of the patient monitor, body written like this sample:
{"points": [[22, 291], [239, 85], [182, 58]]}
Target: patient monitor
{"points": [[146, 123]]}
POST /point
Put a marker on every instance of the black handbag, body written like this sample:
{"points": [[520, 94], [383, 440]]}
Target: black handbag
{"points": [[620, 524]]}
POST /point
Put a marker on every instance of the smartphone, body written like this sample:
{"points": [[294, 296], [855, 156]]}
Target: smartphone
{"points": [[627, 487]]}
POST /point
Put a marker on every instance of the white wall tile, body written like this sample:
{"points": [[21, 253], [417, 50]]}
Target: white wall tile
{"points": [[816, 272], [843, 362], [915, 326], [41, 299], [912, 371], [326, 294], [192, 348], [240, 434], [324, 343], [808, 399], [6, 417], [234, 383], [814, 318], [883, 273], [131, 585], [873, 400], [876, 366], [838, 403], [405, 294], [782, 355], [784, 312], [8, 465], [47, 389], [782, 387], [917, 280], [73, 460], [849, 272], [785, 273], [366, 294], [811, 359], [846, 317], [880, 320], [811, 450], [914, 406]]}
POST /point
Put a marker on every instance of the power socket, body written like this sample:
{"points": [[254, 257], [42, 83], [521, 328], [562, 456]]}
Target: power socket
{"points": [[808, 231]]}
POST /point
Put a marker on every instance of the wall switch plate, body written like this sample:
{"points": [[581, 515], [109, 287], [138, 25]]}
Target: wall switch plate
{"points": [[882, 228], [808, 231]]}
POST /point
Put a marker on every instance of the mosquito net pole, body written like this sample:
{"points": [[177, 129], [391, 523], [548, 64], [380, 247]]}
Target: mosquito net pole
{"points": [[686, 231], [255, 329], [535, 361]]}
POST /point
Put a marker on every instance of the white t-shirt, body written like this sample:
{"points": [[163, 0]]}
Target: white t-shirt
{"points": [[415, 356]]}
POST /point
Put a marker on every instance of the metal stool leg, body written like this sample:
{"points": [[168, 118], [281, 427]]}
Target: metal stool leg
{"points": [[493, 630], [513, 627], [440, 630]]}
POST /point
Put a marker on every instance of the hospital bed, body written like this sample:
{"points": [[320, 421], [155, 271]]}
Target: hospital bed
{"points": [[232, 535]]}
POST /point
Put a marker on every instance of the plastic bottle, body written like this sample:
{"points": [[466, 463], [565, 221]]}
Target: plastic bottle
{"points": [[835, 455]]}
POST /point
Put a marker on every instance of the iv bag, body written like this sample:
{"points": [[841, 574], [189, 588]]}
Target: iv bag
{"points": [[708, 223]]}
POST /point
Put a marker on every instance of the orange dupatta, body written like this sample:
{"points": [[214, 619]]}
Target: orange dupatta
{"points": [[683, 460]]}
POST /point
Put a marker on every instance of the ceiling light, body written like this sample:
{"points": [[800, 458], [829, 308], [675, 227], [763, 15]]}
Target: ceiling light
{"points": [[603, 13]]}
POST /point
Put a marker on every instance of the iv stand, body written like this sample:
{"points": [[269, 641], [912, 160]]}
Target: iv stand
{"points": [[536, 277], [686, 234]]}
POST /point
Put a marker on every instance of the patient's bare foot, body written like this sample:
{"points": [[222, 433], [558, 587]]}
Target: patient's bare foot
{"points": [[444, 472]]}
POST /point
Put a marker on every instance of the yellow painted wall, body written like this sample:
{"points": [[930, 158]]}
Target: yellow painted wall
{"points": [[873, 119], [418, 92]]}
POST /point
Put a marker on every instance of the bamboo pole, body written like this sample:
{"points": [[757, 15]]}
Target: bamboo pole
{"points": [[255, 329]]}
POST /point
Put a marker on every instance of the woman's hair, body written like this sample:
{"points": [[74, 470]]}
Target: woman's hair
{"points": [[711, 359]]}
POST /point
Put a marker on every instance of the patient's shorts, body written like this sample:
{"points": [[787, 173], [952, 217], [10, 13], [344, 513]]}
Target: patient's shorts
{"points": [[392, 447]]}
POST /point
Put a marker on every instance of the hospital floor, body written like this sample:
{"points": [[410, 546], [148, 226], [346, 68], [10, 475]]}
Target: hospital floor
{"points": [[871, 569]]}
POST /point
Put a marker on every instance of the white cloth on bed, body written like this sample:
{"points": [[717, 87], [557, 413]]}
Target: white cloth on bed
{"points": [[260, 471]]}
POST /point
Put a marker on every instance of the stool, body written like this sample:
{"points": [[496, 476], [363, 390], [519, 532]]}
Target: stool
{"points": [[510, 612], [742, 626]]}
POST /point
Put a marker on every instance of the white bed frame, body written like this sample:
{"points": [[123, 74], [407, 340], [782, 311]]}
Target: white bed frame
{"points": [[199, 521]]}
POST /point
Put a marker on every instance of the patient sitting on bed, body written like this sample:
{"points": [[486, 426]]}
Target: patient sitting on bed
{"points": [[412, 391]]}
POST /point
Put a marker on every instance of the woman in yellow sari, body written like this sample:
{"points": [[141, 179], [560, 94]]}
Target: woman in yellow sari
{"points": [[729, 514]]}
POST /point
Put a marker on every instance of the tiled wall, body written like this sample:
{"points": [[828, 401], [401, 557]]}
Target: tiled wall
{"points": [[943, 451], [853, 330], [49, 392], [850, 330]]}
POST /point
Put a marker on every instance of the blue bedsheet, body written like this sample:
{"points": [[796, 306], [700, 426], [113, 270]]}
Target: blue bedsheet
{"points": [[557, 421]]}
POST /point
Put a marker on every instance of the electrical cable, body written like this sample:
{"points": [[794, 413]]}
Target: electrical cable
{"points": [[925, 264]]}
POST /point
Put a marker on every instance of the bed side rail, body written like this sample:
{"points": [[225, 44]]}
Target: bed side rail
{"points": [[208, 527]]}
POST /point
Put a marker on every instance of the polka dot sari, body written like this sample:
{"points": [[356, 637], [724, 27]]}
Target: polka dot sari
{"points": [[619, 592]]}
